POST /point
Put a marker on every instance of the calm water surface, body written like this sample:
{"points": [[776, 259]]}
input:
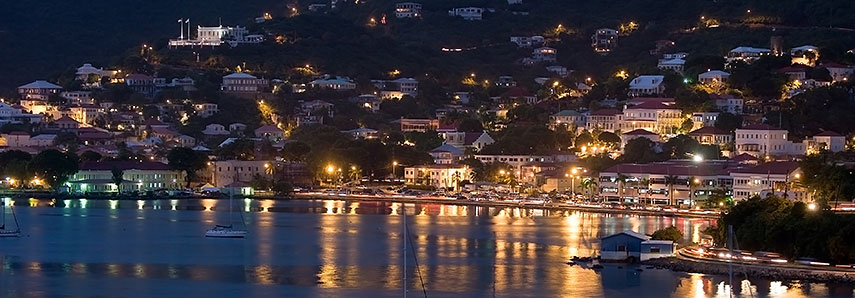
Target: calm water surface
{"points": [[80, 248]]}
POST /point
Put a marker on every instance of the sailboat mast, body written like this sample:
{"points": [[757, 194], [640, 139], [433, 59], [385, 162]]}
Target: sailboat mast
{"points": [[730, 251], [404, 251]]}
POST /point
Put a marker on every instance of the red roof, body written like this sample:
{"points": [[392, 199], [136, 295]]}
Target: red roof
{"points": [[743, 157], [666, 168], [778, 167], [65, 119], [760, 126], [19, 133], [652, 99], [123, 165], [516, 92], [640, 132], [708, 130], [606, 112], [268, 128], [828, 133], [652, 105]]}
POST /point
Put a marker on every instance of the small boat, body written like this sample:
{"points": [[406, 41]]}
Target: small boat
{"points": [[226, 231], [595, 264], [4, 233]]}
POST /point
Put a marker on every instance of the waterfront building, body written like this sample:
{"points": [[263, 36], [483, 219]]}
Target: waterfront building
{"points": [[98, 177], [438, 176]]}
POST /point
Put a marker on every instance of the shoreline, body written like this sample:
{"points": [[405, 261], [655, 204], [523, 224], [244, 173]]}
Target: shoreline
{"points": [[364, 198], [685, 264]]}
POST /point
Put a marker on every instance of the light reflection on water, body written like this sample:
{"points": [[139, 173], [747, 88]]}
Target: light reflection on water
{"points": [[341, 248]]}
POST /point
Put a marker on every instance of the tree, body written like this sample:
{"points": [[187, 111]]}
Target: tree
{"points": [[470, 125], [687, 125], [14, 161], [608, 138], [670, 181], [187, 160], [118, 177], [90, 155], [54, 167], [639, 150], [590, 187], [728, 122], [669, 233], [424, 141], [295, 151]]}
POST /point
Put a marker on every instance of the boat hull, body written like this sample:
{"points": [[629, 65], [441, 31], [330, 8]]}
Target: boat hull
{"points": [[225, 234], [10, 234]]}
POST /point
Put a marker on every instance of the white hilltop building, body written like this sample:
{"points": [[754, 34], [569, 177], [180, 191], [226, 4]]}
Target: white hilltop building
{"points": [[214, 36]]}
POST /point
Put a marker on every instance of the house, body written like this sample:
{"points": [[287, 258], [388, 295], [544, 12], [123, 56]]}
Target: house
{"points": [[398, 88], [369, 102], [805, 55], [559, 70], [544, 54], [527, 41], [10, 114], [763, 139], [441, 176], [237, 128], [506, 81], [605, 120], [270, 132], [796, 73], [225, 172], [362, 133], [772, 177], [677, 55], [709, 135], [98, 177], [38, 90], [240, 82], [408, 10], [629, 245], [205, 110], [572, 119], [646, 85], [309, 107], [825, 141], [728, 103], [185, 141], [186, 83], [78, 97], [839, 72], [419, 125], [746, 54], [467, 13], [604, 40], [653, 116], [337, 83], [84, 72], [675, 64], [141, 83], [464, 140], [86, 113], [701, 119], [446, 154], [215, 130], [638, 133], [713, 76], [64, 124], [517, 94]]}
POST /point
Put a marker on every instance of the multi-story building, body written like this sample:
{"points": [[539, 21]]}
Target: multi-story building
{"points": [[652, 116], [779, 178], [337, 83], [243, 83], [408, 10], [761, 140], [605, 119], [419, 125], [225, 172], [86, 113], [467, 13], [544, 54], [746, 54], [671, 182], [38, 90], [604, 40], [206, 110], [136, 176], [572, 119], [728, 103], [398, 88], [710, 135], [713, 76], [10, 114], [439, 176], [839, 72]]}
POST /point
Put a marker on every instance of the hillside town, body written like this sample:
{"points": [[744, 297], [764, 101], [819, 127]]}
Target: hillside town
{"points": [[683, 132]]}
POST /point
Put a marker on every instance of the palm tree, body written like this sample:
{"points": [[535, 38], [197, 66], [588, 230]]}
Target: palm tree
{"points": [[118, 177], [621, 181], [670, 181], [646, 183], [589, 185], [456, 178]]}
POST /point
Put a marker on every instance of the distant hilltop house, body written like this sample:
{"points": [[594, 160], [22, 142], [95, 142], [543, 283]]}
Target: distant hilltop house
{"points": [[805, 55], [337, 83], [604, 40], [674, 62], [746, 54], [527, 41], [713, 76], [646, 85], [84, 72], [467, 13], [542, 54], [408, 10], [397, 88], [243, 83], [216, 36]]}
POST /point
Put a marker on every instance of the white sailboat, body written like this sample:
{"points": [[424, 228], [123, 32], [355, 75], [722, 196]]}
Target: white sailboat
{"points": [[226, 231], [8, 232]]}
